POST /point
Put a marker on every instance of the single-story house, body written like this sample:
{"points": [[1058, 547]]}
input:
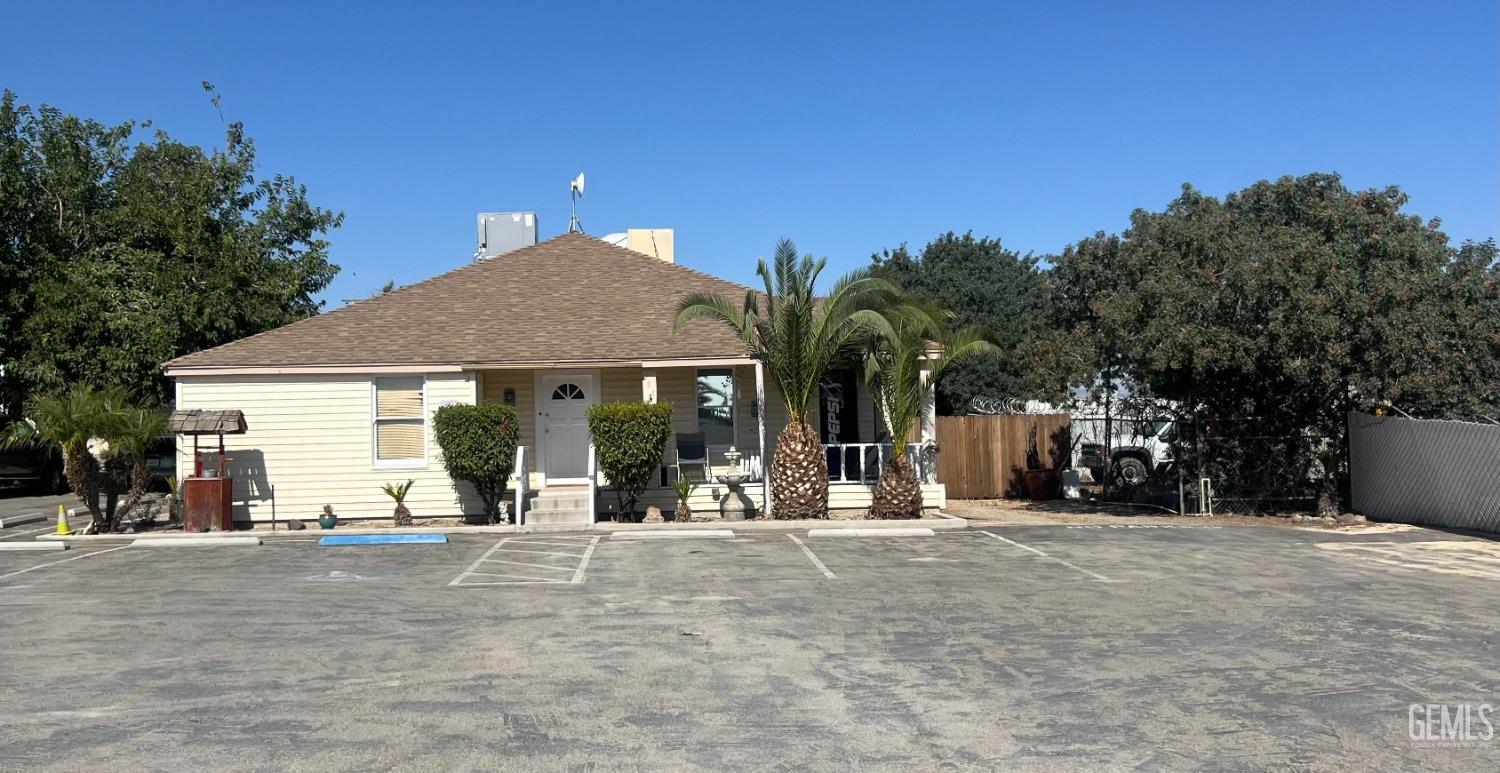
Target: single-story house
{"points": [[340, 403]]}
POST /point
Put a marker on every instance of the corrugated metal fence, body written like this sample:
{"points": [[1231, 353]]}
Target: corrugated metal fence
{"points": [[984, 457], [1435, 473]]}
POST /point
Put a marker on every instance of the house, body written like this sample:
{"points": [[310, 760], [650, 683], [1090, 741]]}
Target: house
{"points": [[340, 403]]}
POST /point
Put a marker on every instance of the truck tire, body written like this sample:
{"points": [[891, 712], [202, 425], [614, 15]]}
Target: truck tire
{"points": [[1131, 471], [54, 481]]}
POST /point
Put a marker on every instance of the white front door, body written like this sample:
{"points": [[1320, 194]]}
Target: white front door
{"points": [[564, 402]]}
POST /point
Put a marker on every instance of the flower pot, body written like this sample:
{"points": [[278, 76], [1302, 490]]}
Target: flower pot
{"points": [[328, 521], [1042, 484]]}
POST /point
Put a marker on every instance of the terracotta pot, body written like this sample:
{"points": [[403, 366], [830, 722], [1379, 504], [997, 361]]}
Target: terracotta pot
{"points": [[1042, 484]]}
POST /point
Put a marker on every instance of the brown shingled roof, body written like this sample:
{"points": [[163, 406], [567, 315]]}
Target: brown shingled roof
{"points": [[571, 298]]}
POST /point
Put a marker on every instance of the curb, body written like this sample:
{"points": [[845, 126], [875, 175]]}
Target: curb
{"points": [[17, 520], [906, 532], [694, 534], [51, 546], [193, 541]]}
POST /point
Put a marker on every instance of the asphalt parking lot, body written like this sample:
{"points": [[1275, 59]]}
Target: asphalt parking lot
{"points": [[1038, 648]]}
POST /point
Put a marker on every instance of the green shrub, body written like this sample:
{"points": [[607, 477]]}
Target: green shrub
{"points": [[479, 446], [629, 441]]}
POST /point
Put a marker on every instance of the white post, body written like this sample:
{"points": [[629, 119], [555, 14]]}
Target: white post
{"points": [[927, 422], [593, 486], [521, 482], [760, 426], [648, 385]]}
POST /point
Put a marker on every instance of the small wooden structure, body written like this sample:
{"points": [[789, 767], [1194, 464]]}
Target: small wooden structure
{"points": [[208, 494]]}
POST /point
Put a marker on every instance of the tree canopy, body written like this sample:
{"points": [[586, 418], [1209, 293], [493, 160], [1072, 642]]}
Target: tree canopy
{"points": [[117, 255], [1289, 302], [986, 285]]}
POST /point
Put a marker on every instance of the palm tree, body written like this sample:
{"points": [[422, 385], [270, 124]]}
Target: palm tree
{"points": [[894, 372], [398, 491], [797, 339], [82, 415]]}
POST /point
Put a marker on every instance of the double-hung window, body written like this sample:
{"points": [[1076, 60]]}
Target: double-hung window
{"points": [[716, 407], [400, 421]]}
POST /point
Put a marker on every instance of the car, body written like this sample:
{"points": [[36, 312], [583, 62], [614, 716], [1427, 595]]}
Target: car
{"points": [[31, 464]]}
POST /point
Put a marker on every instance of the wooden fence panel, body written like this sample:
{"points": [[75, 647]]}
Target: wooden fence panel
{"points": [[984, 457]]}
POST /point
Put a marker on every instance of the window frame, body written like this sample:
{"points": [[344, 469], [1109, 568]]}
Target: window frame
{"points": [[412, 463], [734, 407]]}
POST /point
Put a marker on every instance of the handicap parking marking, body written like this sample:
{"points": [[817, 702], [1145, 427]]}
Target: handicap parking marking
{"points": [[1043, 554], [494, 567], [1470, 558]]}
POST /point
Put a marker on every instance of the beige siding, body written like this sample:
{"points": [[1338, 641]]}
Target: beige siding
{"points": [[310, 437], [523, 381]]}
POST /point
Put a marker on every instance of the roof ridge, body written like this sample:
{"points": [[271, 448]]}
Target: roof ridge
{"points": [[659, 261]]}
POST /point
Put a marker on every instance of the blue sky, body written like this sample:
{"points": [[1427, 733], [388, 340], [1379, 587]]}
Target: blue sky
{"points": [[849, 129]]}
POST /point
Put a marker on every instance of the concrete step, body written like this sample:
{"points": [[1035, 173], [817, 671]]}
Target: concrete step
{"points": [[556, 517], [561, 502]]}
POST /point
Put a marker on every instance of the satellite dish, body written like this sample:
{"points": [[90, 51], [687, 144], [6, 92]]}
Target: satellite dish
{"points": [[578, 184]]}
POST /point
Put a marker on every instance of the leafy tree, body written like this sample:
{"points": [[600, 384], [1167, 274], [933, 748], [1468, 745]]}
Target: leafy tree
{"points": [[479, 447], [798, 338], [894, 364], [1273, 312], [998, 289], [126, 256], [630, 439], [80, 416]]}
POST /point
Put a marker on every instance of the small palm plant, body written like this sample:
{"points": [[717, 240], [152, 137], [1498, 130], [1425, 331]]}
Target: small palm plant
{"points": [[902, 366], [684, 489], [397, 491], [798, 337]]}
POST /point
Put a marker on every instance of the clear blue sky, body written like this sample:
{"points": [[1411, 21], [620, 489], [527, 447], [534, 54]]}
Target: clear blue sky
{"points": [[848, 130]]}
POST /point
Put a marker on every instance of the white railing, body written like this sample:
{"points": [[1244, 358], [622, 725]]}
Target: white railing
{"points": [[862, 462], [523, 478], [593, 484]]}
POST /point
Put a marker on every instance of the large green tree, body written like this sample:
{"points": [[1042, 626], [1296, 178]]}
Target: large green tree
{"points": [[119, 253], [986, 285], [1277, 309]]}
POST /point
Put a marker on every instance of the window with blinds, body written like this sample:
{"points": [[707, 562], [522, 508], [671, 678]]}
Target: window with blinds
{"points": [[400, 425]]}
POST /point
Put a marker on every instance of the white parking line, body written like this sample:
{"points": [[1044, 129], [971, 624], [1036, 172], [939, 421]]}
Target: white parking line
{"points": [[1099, 577], [811, 556], [503, 547], [8, 534], [65, 560]]}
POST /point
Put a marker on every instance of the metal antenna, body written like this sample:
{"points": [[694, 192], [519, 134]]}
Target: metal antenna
{"points": [[576, 190]]}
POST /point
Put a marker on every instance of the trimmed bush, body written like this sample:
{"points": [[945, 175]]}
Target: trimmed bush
{"points": [[479, 446], [629, 441]]}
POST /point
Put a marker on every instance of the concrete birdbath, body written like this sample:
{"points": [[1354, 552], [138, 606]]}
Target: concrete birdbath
{"points": [[734, 504]]}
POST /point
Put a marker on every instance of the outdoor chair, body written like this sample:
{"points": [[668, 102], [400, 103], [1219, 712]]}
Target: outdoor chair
{"points": [[692, 451]]}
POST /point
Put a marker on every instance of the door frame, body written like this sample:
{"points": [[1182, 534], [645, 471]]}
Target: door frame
{"points": [[540, 401]]}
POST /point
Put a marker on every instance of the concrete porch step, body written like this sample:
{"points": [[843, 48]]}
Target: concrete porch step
{"points": [[556, 517], [564, 502]]}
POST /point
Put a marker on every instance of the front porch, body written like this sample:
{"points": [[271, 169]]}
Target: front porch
{"points": [[722, 404]]}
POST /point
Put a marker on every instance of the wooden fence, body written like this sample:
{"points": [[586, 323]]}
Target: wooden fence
{"points": [[984, 457]]}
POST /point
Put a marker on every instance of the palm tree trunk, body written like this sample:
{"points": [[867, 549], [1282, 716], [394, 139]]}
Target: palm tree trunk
{"points": [[898, 493], [799, 474]]}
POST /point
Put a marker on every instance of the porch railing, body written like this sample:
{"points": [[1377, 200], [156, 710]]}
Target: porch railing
{"points": [[522, 479], [862, 462]]}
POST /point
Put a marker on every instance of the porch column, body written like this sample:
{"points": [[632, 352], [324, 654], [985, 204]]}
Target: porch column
{"points": [[760, 426], [648, 385], [927, 421]]}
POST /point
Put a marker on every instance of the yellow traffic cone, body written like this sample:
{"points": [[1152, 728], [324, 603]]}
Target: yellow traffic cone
{"points": [[62, 521]]}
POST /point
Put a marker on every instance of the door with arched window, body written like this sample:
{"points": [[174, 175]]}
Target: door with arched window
{"points": [[562, 425]]}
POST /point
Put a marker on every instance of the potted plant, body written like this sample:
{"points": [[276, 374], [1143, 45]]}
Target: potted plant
{"points": [[328, 520], [397, 491], [1041, 482], [684, 489]]}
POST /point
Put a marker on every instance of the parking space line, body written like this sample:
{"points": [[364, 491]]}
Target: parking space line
{"points": [[523, 563], [584, 564], [63, 561], [7, 534], [524, 576], [540, 542], [1074, 567], [811, 556], [544, 552]]}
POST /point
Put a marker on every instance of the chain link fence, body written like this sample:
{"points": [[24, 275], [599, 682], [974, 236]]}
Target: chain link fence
{"points": [[1428, 472]]}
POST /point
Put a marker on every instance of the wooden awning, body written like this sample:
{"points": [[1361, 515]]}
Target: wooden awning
{"points": [[198, 422]]}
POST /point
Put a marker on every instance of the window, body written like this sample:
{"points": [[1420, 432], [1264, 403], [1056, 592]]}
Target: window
{"points": [[400, 422], [567, 392], [716, 406]]}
